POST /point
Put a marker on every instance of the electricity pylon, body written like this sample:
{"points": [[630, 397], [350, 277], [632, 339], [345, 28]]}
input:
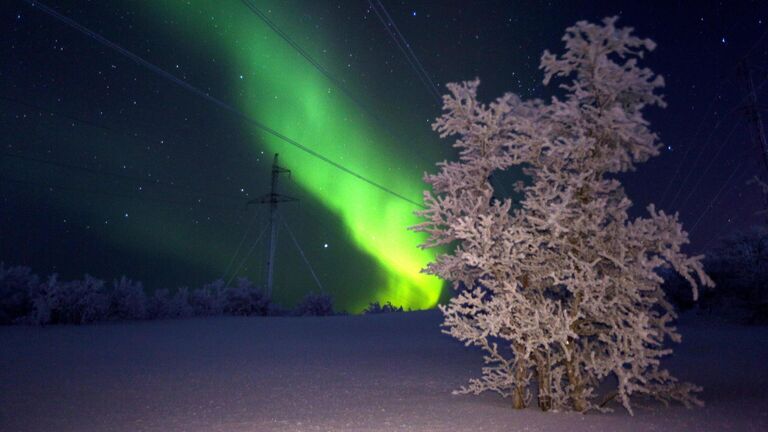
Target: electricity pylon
{"points": [[273, 199]]}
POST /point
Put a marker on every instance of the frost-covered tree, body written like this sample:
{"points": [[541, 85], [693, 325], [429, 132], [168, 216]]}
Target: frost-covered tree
{"points": [[378, 308], [128, 300], [179, 305], [158, 304], [16, 283], [739, 266], [74, 302], [560, 290], [208, 300], [315, 305], [245, 298]]}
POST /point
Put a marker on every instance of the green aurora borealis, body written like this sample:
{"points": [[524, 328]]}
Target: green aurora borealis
{"points": [[284, 91]]}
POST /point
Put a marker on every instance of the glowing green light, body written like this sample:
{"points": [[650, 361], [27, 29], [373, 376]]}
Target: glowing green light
{"points": [[281, 89]]}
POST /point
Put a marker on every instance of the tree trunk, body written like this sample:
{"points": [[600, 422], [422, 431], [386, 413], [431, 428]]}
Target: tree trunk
{"points": [[521, 380], [577, 386], [518, 398], [545, 380]]}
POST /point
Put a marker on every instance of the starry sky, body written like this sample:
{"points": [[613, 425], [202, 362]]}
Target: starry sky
{"points": [[110, 169]]}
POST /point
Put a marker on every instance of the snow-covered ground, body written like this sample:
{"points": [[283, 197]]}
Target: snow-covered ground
{"points": [[354, 373]]}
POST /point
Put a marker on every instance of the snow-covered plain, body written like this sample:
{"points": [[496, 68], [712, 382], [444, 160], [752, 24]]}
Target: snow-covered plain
{"points": [[351, 373]]}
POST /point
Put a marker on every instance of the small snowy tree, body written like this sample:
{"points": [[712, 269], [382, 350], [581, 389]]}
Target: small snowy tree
{"points": [[246, 299], [74, 302], [158, 304], [128, 300], [16, 284], [739, 266], [561, 291], [208, 300], [178, 304], [315, 305]]}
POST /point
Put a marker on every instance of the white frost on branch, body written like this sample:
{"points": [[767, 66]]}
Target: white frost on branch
{"points": [[561, 290]]}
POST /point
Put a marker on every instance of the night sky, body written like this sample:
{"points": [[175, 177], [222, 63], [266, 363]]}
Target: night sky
{"points": [[109, 169]]}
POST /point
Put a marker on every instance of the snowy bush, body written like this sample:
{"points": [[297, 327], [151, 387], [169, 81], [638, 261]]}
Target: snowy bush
{"points": [[562, 291], [246, 299], [179, 305], [16, 283], [26, 300], [128, 300], [75, 302], [208, 300], [376, 308], [158, 304], [739, 266], [315, 305], [44, 299], [82, 301]]}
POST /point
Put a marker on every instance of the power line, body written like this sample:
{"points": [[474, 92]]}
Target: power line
{"points": [[752, 112], [756, 44], [706, 143], [247, 255], [698, 156], [335, 81], [717, 195], [711, 104], [240, 245], [410, 51], [303, 257], [306, 55], [709, 166], [689, 147], [736, 168], [189, 87], [393, 36]]}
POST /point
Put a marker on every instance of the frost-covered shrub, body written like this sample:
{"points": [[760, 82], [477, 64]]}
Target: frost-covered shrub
{"points": [[376, 308], [739, 266], [128, 300], [45, 299], [82, 301], [16, 283], [246, 299], [74, 302], [315, 305], [562, 290], [178, 304], [158, 304], [208, 300]]}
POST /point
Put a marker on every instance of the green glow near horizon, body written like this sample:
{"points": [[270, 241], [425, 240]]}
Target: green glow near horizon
{"points": [[282, 90]]}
